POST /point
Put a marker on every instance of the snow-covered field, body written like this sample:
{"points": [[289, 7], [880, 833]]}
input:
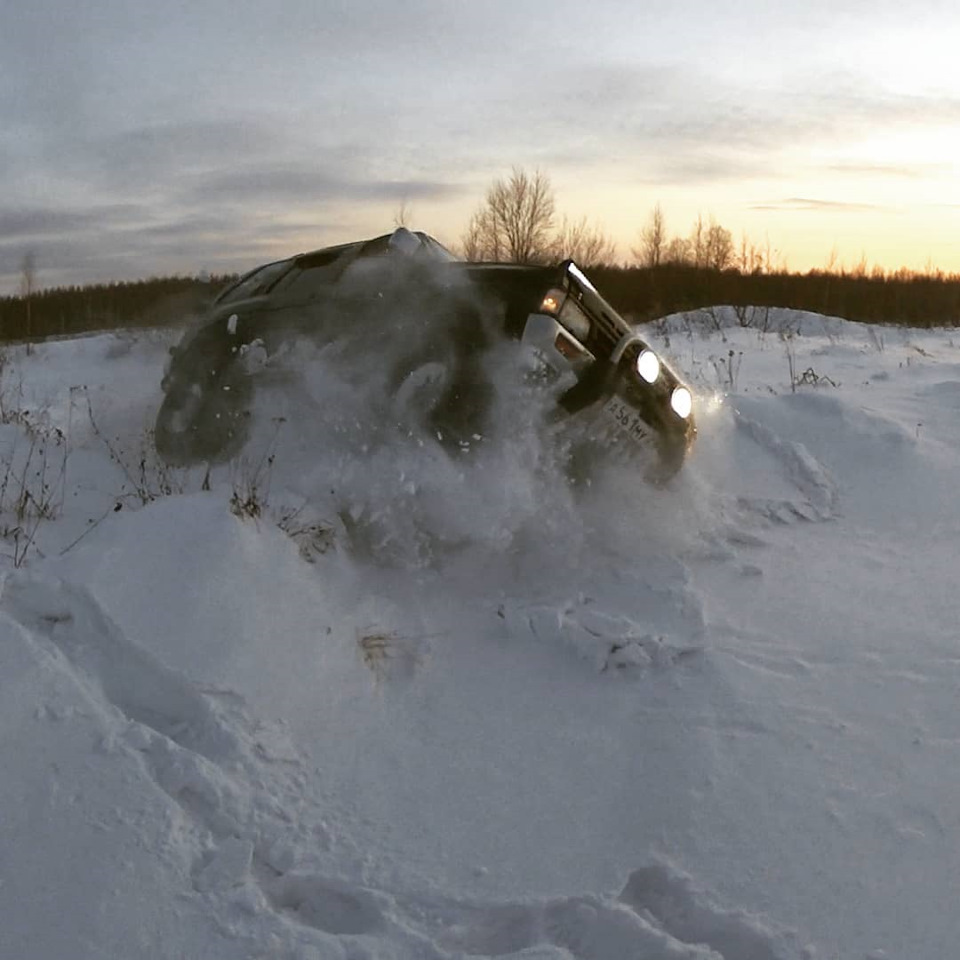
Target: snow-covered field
{"points": [[357, 701]]}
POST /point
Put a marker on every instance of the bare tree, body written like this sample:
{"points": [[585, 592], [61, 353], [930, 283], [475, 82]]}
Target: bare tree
{"points": [[718, 247], [480, 241], [586, 244], [832, 261], [750, 259], [678, 251], [514, 222], [28, 277], [653, 240], [698, 243]]}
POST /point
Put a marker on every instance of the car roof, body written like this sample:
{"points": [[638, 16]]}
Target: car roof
{"points": [[330, 253]]}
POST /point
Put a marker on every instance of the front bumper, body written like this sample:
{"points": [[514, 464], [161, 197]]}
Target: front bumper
{"points": [[619, 406]]}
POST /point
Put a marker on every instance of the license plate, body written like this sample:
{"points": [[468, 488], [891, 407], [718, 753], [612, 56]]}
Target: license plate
{"points": [[628, 420]]}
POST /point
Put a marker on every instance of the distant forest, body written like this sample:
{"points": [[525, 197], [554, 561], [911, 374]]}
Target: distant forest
{"points": [[67, 311], [904, 297], [643, 293]]}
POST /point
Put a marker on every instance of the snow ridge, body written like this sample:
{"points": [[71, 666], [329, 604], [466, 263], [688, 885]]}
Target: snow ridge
{"points": [[801, 467]]}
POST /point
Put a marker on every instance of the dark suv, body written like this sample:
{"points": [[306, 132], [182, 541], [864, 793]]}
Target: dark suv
{"points": [[617, 388]]}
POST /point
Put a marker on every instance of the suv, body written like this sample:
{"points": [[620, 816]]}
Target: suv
{"points": [[617, 387]]}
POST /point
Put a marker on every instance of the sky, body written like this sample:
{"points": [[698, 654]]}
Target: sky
{"points": [[146, 139]]}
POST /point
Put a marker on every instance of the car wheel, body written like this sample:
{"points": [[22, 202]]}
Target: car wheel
{"points": [[204, 421], [420, 390]]}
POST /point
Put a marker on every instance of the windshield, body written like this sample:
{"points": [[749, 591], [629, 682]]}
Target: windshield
{"points": [[255, 283], [313, 272]]}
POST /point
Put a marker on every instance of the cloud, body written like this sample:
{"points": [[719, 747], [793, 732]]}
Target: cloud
{"points": [[678, 126], [810, 205], [150, 157], [30, 223], [651, 124], [179, 195], [86, 248], [898, 170], [303, 184]]}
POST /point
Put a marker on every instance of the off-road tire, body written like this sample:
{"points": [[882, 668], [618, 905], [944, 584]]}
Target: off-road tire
{"points": [[204, 422]]}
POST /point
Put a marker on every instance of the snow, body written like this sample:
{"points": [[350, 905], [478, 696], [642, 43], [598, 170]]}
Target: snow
{"points": [[348, 697]]}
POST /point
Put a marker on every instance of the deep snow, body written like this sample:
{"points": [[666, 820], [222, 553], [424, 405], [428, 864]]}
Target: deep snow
{"points": [[717, 719]]}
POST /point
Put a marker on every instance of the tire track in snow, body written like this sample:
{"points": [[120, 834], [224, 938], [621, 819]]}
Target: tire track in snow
{"points": [[660, 914], [801, 468]]}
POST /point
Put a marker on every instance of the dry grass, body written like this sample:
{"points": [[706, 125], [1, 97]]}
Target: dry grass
{"points": [[388, 655]]}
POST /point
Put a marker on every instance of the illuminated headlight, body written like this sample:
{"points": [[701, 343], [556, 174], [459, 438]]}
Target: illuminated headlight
{"points": [[648, 366], [558, 304], [682, 402], [551, 302]]}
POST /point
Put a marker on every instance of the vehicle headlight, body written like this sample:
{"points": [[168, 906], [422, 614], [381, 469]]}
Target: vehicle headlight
{"points": [[551, 302], [648, 366], [682, 402], [559, 304]]}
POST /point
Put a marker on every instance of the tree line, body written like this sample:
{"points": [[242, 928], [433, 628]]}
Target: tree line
{"points": [[517, 222], [902, 298], [68, 311], [641, 293]]}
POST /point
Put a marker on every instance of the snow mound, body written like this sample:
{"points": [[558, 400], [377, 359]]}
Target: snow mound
{"points": [[718, 320]]}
